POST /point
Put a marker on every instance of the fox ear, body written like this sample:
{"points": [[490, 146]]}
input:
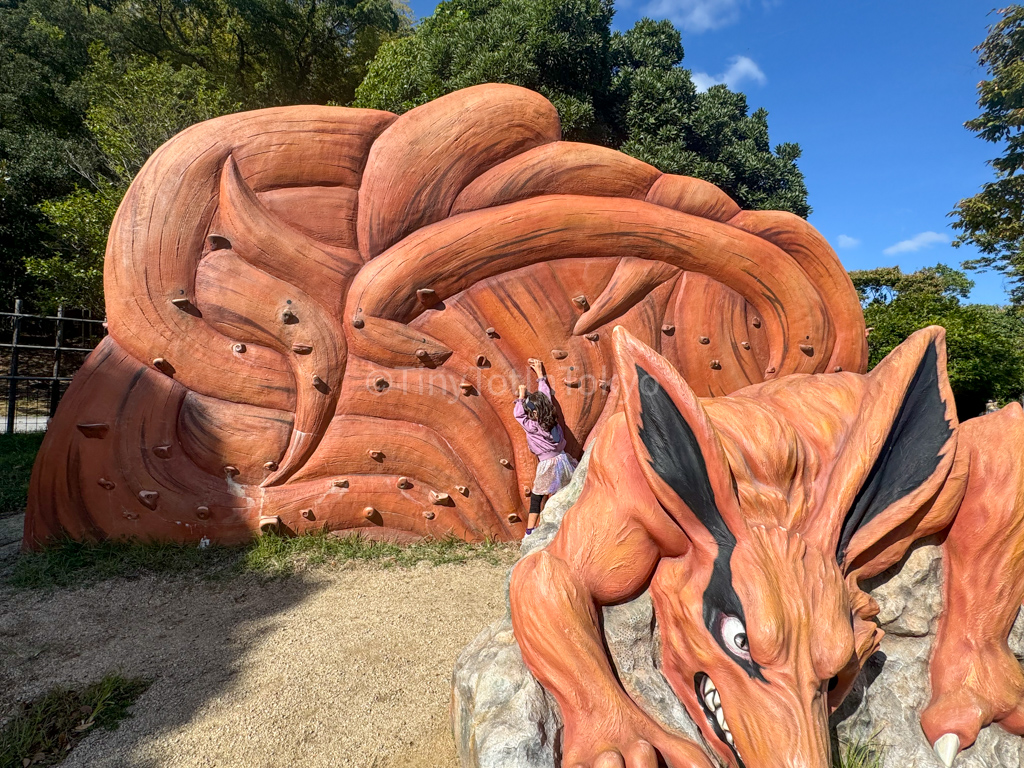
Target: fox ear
{"points": [[899, 451], [675, 444]]}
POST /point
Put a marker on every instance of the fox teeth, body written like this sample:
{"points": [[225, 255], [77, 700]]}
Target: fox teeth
{"points": [[713, 702]]}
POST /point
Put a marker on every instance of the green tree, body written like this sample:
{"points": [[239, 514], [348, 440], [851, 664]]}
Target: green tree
{"points": [[993, 219], [135, 106], [985, 344], [623, 90]]}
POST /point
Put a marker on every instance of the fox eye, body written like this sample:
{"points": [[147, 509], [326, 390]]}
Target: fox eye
{"points": [[734, 635]]}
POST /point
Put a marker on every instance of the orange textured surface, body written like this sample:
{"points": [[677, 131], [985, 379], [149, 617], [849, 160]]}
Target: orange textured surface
{"points": [[754, 518], [307, 304]]}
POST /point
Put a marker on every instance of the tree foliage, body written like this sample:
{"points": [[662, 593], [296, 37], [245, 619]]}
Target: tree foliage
{"points": [[985, 344], [88, 89], [623, 90], [993, 219]]}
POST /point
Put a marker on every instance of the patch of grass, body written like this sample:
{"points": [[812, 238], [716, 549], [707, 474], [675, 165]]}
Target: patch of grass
{"points": [[17, 454], [278, 556], [860, 753], [72, 563], [46, 729]]}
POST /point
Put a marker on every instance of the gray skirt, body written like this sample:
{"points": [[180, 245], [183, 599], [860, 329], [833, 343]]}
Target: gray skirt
{"points": [[553, 474]]}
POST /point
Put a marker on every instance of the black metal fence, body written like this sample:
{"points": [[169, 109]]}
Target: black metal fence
{"points": [[40, 353]]}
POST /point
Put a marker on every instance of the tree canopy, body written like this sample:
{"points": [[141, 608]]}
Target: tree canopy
{"points": [[985, 344], [89, 89], [624, 90], [993, 219]]}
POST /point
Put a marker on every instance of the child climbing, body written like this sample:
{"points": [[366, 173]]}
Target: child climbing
{"points": [[537, 414]]}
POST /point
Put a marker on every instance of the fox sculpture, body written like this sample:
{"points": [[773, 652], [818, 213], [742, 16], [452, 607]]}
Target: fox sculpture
{"points": [[753, 519], [318, 317]]}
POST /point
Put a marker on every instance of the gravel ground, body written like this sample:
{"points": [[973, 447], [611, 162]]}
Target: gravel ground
{"points": [[347, 667]]}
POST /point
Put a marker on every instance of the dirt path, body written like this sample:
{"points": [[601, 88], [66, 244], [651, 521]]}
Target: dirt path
{"points": [[334, 668]]}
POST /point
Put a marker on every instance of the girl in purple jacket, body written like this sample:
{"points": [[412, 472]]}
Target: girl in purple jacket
{"points": [[537, 414]]}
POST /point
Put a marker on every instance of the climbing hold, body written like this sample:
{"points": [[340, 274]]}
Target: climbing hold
{"points": [[270, 466], [513, 517], [466, 387], [180, 303], [807, 349], [582, 303], [131, 515], [427, 296], [104, 483], [203, 513], [439, 498], [369, 512], [604, 385], [301, 349], [462, 489], [482, 362], [527, 490], [149, 498], [756, 322], [238, 347], [270, 523], [380, 384], [308, 514], [703, 339], [162, 451], [592, 336], [288, 317], [837, 369], [230, 471], [162, 365], [770, 369], [403, 483], [340, 483], [376, 455], [428, 514], [668, 329], [745, 344], [358, 322], [505, 462], [94, 431], [491, 333], [318, 382], [217, 242], [715, 365], [559, 354], [572, 383]]}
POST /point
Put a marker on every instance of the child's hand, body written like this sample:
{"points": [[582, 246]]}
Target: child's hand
{"points": [[522, 391], [537, 365]]}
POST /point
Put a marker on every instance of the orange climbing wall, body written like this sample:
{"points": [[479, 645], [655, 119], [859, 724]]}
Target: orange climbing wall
{"points": [[318, 317]]}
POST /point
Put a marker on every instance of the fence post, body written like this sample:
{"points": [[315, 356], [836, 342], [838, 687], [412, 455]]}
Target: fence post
{"points": [[12, 390], [55, 384]]}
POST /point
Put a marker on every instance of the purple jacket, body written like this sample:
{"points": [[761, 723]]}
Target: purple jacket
{"points": [[546, 445]]}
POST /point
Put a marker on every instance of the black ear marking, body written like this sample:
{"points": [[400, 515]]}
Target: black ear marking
{"points": [[910, 454], [676, 456]]}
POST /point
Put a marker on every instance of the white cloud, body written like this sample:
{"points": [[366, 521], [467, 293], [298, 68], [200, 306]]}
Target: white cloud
{"points": [[845, 241], [916, 243], [741, 69], [696, 15]]}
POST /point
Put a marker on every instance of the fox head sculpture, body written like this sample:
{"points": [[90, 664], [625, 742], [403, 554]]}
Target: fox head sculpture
{"points": [[788, 493]]}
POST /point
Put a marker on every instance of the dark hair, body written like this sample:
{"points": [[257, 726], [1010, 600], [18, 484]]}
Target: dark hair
{"points": [[539, 408]]}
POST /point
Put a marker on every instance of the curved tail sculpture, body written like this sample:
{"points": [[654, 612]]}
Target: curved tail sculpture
{"points": [[318, 317]]}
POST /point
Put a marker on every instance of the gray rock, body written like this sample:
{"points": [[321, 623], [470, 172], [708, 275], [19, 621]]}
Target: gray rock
{"points": [[503, 718]]}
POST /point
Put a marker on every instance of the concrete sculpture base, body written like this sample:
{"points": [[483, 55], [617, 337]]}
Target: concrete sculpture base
{"points": [[503, 718]]}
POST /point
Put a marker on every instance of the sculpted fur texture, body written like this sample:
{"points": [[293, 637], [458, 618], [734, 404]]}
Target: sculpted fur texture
{"points": [[754, 518], [319, 317]]}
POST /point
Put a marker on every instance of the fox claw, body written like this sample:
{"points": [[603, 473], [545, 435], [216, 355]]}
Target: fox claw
{"points": [[947, 747]]}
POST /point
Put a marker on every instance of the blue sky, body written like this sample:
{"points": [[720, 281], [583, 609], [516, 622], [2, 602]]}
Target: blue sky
{"points": [[874, 92]]}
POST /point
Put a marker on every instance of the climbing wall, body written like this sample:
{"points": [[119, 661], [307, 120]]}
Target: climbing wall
{"points": [[319, 316]]}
